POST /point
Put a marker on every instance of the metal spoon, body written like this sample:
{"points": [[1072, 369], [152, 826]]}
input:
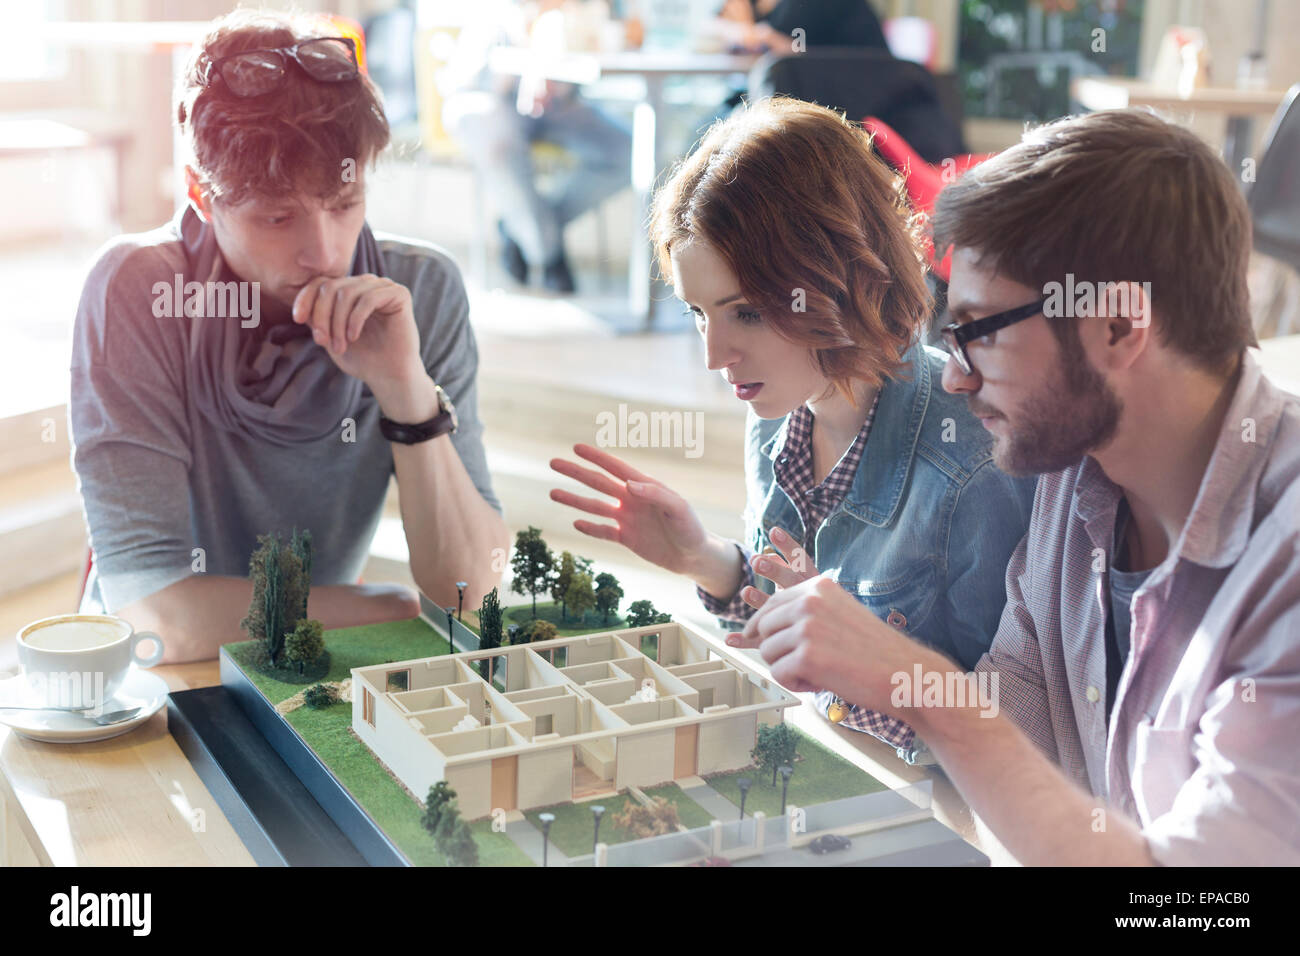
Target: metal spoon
{"points": [[113, 717]]}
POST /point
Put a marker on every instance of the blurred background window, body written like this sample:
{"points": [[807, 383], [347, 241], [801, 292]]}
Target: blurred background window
{"points": [[25, 60], [1017, 58]]}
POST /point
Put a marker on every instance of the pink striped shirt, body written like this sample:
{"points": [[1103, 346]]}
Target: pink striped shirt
{"points": [[1202, 747]]}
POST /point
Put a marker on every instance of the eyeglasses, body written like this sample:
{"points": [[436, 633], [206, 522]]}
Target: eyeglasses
{"points": [[957, 334], [255, 72]]}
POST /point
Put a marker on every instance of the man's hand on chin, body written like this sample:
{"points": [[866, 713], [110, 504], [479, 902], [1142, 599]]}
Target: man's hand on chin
{"points": [[367, 326]]}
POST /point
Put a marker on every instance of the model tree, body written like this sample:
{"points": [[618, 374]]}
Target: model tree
{"points": [[281, 580], [440, 796], [643, 614], [775, 746], [580, 596], [320, 696], [305, 644], [531, 565], [608, 594], [454, 839], [643, 821], [489, 628], [561, 578], [452, 835], [300, 544], [538, 630]]}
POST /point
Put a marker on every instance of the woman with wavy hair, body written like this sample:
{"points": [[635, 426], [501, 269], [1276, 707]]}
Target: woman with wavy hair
{"points": [[793, 245]]}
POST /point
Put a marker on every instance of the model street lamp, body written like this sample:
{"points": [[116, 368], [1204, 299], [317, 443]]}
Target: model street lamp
{"points": [[460, 596], [547, 819], [744, 783], [784, 770], [451, 637], [597, 811]]}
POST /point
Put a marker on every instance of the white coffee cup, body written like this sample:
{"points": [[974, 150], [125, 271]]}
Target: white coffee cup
{"points": [[78, 661]]}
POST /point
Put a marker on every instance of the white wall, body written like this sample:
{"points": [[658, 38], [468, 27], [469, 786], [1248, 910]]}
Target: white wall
{"points": [[645, 759], [545, 778], [725, 744]]}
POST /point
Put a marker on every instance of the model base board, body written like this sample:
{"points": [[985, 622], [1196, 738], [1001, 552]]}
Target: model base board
{"points": [[640, 697]]}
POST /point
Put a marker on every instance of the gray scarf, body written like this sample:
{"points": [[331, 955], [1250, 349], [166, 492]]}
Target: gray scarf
{"points": [[272, 382]]}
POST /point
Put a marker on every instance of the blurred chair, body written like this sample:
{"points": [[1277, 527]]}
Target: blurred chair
{"points": [[1275, 196], [865, 82], [923, 181], [1274, 199]]}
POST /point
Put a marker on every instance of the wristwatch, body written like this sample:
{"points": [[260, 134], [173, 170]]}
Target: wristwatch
{"points": [[441, 424]]}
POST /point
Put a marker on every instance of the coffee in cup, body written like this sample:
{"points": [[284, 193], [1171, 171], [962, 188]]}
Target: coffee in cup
{"points": [[78, 661]]}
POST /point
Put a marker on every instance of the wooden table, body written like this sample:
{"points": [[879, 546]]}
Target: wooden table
{"points": [[1239, 107], [135, 800]]}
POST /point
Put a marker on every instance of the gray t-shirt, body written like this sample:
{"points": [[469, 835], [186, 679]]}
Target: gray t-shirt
{"points": [[159, 481]]}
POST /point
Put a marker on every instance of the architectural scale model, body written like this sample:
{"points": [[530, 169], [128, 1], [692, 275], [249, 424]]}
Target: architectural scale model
{"points": [[510, 730]]}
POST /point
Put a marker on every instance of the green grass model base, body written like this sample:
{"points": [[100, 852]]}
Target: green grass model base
{"points": [[328, 732], [818, 775]]}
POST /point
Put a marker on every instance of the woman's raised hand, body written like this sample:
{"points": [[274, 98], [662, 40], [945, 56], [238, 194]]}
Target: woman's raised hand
{"points": [[650, 519]]}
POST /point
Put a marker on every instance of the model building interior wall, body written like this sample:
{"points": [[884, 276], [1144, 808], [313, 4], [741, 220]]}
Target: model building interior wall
{"points": [[508, 729]]}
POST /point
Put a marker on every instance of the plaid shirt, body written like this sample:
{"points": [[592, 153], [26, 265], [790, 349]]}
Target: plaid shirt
{"points": [[814, 502]]}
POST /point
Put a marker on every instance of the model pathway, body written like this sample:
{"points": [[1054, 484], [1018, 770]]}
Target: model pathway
{"points": [[529, 839], [714, 802]]}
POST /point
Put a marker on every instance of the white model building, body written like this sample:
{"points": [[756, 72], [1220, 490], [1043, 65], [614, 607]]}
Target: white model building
{"points": [[534, 734]]}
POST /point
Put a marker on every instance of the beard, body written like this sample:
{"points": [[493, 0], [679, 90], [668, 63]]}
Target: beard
{"points": [[1065, 420]]}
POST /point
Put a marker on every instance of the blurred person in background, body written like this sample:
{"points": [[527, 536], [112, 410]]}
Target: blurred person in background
{"points": [[760, 26], [902, 95], [498, 118]]}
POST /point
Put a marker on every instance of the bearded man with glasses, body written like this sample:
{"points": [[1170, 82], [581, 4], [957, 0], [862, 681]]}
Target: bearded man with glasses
{"points": [[1146, 665], [266, 362]]}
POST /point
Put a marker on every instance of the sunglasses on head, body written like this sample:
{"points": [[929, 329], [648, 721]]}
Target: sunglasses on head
{"points": [[255, 72]]}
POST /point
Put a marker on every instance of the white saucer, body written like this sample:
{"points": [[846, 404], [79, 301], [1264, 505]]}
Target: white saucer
{"points": [[140, 689]]}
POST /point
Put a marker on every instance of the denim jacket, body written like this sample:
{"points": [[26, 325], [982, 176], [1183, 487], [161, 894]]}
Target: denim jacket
{"points": [[924, 534]]}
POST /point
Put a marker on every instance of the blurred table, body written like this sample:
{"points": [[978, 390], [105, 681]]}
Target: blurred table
{"points": [[44, 137], [1239, 107], [654, 67], [174, 37]]}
